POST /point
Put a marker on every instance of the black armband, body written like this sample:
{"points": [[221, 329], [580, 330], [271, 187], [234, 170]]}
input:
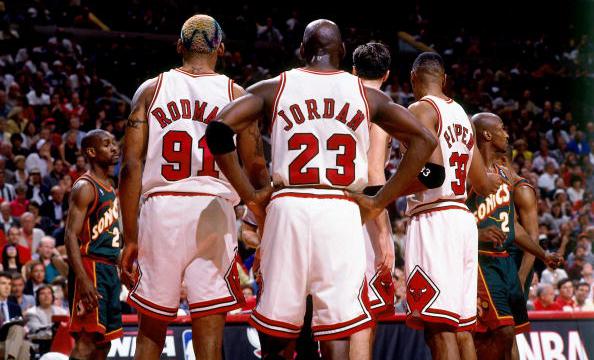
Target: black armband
{"points": [[432, 175], [219, 138], [372, 190]]}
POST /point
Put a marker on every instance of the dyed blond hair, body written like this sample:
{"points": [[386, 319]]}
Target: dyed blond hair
{"points": [[201, 34]]}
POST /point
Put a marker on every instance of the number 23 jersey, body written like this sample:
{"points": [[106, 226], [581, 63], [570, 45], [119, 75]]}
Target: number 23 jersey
{"points": [[178, 159], [456, 140], [320, 130]]}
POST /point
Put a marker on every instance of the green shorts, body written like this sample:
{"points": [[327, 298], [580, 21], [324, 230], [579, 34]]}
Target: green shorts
{"points": [[106, 319], [500, 296]]}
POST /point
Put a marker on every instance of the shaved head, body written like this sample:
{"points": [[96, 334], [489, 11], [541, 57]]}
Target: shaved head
{"points": [[485, 122], [322, 38], [93, 139]]}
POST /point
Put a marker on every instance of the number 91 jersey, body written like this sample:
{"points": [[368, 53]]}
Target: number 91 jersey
{"points": [[456, 141], [320, 130], [178, 159]]}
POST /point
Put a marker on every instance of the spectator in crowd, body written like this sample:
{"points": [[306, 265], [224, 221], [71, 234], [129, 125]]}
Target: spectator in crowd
{"points": [[41, 160], [576, 192], [35, 189], [14, 346], [545, 294], [7, 192], [21, 175], [60, 286], [31, 234], [546, 181], [36, 277], [69, 149], [565, 298], [250, 299], [581, 250], [80, 167], [10, 260], [552, 276], [41, 222], [55, 175], [56, 208], [588, 277], [50, 257], [18, 287], [39, 317], [6, 219], [15, 238], [583, 300], [19, 205]]}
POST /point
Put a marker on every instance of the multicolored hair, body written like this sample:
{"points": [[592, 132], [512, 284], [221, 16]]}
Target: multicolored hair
{"points": [[201, 34]]}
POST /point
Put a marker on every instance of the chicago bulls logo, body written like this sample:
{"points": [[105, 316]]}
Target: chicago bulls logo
{"points": [[421, 291]]}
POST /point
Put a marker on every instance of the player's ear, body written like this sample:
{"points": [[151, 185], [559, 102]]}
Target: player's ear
{"points": [[91, 152], [354, 71], [487, 135], [179, 47], [221, 50], [343, 51], [302, 51], [445, 80], [386, 76]]}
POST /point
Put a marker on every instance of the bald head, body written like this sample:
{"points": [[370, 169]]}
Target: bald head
{"points": [[485, 122], [322, 38]]}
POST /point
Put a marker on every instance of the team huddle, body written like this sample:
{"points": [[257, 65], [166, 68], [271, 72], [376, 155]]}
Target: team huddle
{"points": [[193, 150]]}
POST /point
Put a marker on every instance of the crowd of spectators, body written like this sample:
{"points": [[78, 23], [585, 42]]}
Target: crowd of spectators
{"points": [[54, 88]]}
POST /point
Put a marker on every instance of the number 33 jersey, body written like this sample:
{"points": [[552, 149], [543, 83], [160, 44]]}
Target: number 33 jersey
{"points": [[320, 130], [456, 140], [177, 158]]}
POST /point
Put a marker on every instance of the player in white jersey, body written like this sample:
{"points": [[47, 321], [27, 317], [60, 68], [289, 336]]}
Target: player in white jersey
{"points": [[312, 239], [371, 63], [185, 229], [441, 243]]}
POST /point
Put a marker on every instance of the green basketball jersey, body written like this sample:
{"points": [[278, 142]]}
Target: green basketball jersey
{"points": [[100, 236], [495, 210]]}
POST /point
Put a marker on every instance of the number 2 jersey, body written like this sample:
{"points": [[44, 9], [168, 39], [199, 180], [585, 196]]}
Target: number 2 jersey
{"points": [[100, 235], [320, 130], [495, 210], [456, 140], [178, 159]]}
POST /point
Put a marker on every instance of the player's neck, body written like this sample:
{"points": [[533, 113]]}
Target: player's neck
{"points": [[374, 84], [488, 154], [199, 65], [100, 173], [323, 63], [432, 90]]}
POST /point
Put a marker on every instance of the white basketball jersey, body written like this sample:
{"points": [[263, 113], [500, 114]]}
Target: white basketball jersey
{"points": [[177, 158], [456, 140], [320, 130]]}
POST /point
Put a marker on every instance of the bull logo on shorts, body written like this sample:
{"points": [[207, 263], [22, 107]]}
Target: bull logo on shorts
{"points": [[421, 292]]}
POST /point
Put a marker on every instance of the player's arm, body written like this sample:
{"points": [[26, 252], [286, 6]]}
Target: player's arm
{"points": [[381, 235], [134, 153], [526, 204], [81, 197], [233, 119], [251, 150], [525, 243], [483, 182], [400, 123], [433, 173]]}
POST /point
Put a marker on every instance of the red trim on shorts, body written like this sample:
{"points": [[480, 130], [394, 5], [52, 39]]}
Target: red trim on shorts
{"points": [[318, 72], [312, 196], [522, 328], [279, 91], [499, 254], [342, 334], [219, 310], [470, 324], [386, 304], [175, 193], [159, 82], [432, 103], [293, 332], [418, 322], [116, 334], [146, 309], [89, 321], [100, 260]]}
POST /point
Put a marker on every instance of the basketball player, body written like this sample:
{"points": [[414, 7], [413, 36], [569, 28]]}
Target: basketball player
{"points": [[185, 230], [501, 299], [441, 242], [371, 63], [313, 240], [93, 245]]}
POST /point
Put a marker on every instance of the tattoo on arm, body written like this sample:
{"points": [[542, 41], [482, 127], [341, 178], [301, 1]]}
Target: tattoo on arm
{"points": [[135, 123]]}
